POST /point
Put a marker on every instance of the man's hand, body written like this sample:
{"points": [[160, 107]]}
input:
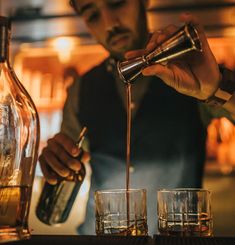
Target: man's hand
{"points": [[60, 157], [196, 74]]}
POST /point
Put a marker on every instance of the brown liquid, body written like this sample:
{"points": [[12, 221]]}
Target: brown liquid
{"points": [[128, 150], [14, 210], [199, 228], [128, 138], [135, 228]]}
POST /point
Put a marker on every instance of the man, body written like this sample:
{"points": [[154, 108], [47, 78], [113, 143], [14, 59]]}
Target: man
{"points": [[167, 147]]}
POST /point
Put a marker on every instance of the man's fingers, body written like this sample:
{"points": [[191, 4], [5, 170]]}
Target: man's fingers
{"points": [[189, 18], [155, 41], [67, 144], [133, 54], [161, 71], [152, 42], [157, 70], [170, 29], [160, 36], [157, 38], [63, 156], [55, 164], [52, 169], [58, 158], [50, 176]]}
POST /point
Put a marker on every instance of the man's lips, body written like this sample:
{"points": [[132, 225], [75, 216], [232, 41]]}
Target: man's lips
{"points": [[119, 40]]}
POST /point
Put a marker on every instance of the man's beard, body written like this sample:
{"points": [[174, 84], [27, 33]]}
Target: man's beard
{"points": [[139, 42], [114, 33]]}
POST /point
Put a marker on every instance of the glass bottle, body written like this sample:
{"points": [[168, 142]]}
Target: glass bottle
{"points": [[56, 201], [19, 141]]}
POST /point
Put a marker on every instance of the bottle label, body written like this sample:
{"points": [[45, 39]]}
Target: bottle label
{"points": [[7, 146]]}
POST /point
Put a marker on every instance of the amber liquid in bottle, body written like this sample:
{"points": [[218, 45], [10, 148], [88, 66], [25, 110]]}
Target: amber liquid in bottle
{"points": [[14, 203]]}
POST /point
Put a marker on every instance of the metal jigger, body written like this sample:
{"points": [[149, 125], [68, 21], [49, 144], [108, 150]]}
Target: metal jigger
{"points": [[182, 41]]}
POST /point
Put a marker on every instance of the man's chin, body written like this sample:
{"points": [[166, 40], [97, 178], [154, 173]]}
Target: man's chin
{"points": [[119, 54]]}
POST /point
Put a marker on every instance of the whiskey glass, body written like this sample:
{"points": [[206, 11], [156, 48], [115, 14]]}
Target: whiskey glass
{"points": [[121, 212], [184, 212]]}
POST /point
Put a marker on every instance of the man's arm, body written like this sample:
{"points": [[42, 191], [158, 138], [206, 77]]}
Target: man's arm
{"points": [[61, 155], [197, 74], [70, 124]]}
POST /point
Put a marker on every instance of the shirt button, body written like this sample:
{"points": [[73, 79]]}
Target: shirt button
{"points": [[132, 105]]}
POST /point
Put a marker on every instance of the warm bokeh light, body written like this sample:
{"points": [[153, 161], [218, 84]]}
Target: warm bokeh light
{"points": [[64, 46], [224, 50], [221, 144]]}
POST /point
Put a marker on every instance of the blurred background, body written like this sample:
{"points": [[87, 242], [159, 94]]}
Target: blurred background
{"points": [[51, 47]]}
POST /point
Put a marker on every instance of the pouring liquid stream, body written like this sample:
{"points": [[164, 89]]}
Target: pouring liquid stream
{"points": [[128, 151]]}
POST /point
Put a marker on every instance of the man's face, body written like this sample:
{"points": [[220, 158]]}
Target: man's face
{"points": [[119, 25]]}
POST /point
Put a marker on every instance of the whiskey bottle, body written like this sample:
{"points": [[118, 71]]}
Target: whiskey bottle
{"points": [[56, 201], [19, 140]]}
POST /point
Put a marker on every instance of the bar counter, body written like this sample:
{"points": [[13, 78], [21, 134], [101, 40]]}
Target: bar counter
{"points": [[115, 240]]}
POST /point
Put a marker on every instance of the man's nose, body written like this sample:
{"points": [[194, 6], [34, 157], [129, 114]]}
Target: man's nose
{"points": [[110, 20]]}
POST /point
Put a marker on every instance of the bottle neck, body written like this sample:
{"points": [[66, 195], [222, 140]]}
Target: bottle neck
{"points": [[4, 43]]}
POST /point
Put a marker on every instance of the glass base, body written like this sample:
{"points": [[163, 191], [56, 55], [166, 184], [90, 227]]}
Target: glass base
{"points": [[13, 234]]}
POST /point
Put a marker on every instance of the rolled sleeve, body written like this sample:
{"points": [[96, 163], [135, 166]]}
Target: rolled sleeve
{"points": [[70, 122]]}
